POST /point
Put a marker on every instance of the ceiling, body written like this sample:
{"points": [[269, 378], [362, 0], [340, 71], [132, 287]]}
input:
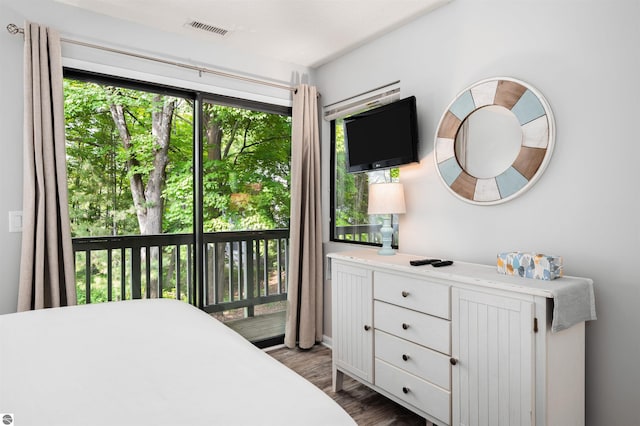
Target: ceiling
{"points": [[303, 32]]}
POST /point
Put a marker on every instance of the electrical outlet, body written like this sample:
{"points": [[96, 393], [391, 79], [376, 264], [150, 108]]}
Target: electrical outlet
{"points": [[15, 221]]}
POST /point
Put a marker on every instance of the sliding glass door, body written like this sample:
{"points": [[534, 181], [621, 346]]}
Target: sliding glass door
{"points": [[246, 180], [129, 164], [178, 194]]}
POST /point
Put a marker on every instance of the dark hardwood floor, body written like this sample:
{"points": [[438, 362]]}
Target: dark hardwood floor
{"points": [[364, 405]]}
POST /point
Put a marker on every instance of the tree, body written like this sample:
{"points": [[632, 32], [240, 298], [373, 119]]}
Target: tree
{"points": [[146, 182], [352, 189], [247, 170], [130, 163], [97, 181], [130, 151]]}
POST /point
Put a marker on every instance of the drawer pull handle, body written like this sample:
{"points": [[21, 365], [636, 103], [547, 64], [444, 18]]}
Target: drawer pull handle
{"points": [[405, 293], [453, 361], [405, 326], [367, 327], [405, 357], [405, 389]]}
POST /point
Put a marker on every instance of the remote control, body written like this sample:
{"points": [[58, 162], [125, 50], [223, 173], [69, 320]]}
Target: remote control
{"points": [[423, 262], [442, 263]]}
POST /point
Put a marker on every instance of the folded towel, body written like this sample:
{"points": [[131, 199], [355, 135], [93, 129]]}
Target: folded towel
{"points": [[572, 304]]}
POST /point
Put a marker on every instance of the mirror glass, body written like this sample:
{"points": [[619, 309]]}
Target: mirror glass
{"points": [[488, 141]]}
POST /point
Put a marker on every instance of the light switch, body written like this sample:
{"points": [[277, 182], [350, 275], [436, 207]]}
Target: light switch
{"points": [[15, 221]]}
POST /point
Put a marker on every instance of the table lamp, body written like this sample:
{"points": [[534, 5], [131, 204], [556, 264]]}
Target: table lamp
{"points": [[386, 199]]}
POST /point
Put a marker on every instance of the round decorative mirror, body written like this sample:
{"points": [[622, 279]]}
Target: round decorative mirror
{"points": [[494, 141]]}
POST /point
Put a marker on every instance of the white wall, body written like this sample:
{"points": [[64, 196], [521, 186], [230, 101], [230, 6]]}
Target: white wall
{"points": [[10, 160], [77, 24], [583, 56]]}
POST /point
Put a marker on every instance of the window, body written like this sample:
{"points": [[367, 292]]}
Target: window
{"points": [[155, 197], [246, 167], [246, 187], [349, 218], [127, 150], [129, 154]]}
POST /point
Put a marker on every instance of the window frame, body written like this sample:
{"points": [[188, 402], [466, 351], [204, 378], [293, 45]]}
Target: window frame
{"points": [[129, 83]]}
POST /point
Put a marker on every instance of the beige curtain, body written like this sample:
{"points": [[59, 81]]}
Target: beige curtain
{"points": [[304, 308], [46, 265]]}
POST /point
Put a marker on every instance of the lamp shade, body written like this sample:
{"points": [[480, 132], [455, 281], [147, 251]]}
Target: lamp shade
{"points": [[386, 198]]}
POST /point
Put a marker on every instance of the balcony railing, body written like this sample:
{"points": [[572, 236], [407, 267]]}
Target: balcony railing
{"points": [[243, 269], [368, 233], [362, 233]]}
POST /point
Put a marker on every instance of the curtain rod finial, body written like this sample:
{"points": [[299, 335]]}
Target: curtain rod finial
{"points": [[14, 29]]}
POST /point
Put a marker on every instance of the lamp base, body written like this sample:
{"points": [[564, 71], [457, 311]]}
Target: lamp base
{"points": [[386, 231], [386, 251]]}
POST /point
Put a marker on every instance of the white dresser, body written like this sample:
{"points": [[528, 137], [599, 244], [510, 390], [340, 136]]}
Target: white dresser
{"points": [[459, 345]]}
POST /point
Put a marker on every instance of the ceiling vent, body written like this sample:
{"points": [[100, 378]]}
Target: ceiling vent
{"points": [[207, 27]]}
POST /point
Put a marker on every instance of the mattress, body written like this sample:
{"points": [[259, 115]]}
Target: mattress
{"points": [[146, 362]]}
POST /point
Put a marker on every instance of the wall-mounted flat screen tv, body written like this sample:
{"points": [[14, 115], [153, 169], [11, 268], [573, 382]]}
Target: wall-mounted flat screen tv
{"points": [[382, 137]]}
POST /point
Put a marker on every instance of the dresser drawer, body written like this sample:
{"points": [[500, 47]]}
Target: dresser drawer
{"points": [[413, 390], [425, 330], [413, 293], [413, 358]]}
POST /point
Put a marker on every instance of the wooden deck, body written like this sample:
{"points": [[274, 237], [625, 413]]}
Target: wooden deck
{"points": [[260, 327]]}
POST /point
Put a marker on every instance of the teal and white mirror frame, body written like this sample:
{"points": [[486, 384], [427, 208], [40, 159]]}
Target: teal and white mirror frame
{"points": [[534, 115]]}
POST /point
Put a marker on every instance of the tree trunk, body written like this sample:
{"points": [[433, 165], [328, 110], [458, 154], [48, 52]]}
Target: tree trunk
{"points": [[161, 131], [135, 179], [148, 200], [214, 152], [214, 138]]}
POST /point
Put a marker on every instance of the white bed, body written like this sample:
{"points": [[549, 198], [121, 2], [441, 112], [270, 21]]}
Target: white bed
{"points": [[146, 362]]}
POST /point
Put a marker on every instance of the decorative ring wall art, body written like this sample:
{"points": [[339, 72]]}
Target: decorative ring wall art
{"points": [[455, 140]]}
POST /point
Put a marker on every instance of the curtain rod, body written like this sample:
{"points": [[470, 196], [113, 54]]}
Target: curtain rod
{"points": [[14, 29]]}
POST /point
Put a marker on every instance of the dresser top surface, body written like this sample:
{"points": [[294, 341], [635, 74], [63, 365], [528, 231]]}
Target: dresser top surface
{"points": [[462, 272]]}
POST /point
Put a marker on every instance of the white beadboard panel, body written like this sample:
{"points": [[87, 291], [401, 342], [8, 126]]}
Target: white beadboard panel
{"points": [[351, 298], [535, 134], [493, 344]]}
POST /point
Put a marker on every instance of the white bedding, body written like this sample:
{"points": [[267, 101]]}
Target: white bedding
{"points": [[146, 362]]}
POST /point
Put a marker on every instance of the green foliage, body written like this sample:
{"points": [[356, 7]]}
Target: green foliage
{"points": [[351, 189], [99, 279], [246, 186], [247, 172], [96, 178]]}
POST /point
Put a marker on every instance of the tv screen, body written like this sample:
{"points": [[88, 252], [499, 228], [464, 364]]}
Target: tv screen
{"points": [[382, 137]]}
